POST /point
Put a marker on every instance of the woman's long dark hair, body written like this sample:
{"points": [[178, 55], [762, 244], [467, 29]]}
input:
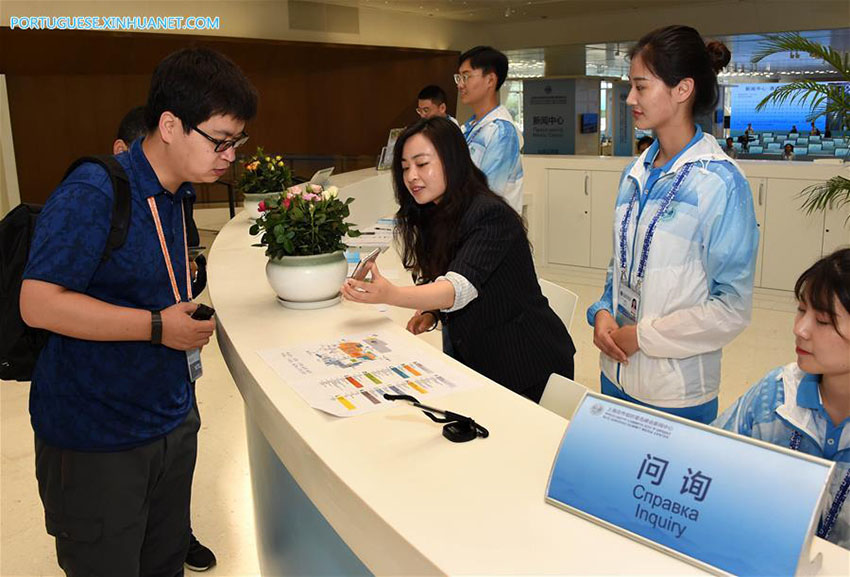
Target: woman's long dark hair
{"points": [[429, 233]]}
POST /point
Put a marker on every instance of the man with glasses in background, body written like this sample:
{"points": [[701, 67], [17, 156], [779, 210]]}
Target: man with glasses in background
{"points": [[493, 138], [432, 102], [112, 397]]}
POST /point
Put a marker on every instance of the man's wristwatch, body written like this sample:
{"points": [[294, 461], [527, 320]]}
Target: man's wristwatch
{"points": [[156, 328]]}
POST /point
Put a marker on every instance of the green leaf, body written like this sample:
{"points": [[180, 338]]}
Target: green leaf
{"points": [[834, 193], [821, 99], [795, 42]]}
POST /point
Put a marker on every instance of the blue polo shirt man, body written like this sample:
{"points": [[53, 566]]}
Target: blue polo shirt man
{"points": [[112, 400], [148, 385]]}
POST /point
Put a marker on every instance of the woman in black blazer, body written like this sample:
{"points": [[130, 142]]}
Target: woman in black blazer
{"points": [[471, 256]]}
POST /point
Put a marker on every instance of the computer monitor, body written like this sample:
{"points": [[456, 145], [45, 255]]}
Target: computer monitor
{"points": [[589, 123]]}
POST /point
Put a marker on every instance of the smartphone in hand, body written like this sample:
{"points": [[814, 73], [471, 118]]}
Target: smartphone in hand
{"points": [[203, 313], [362, 267]]}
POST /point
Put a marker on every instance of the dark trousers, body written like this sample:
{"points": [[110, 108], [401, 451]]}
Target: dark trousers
{"points": [[124, 513], [532, 393]]}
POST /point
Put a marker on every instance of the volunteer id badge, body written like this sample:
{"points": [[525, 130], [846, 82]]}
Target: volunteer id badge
{"points": [[193, 358], [628, 305]]}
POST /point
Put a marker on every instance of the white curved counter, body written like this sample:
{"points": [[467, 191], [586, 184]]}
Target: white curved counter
{"points": [[386, 486]]}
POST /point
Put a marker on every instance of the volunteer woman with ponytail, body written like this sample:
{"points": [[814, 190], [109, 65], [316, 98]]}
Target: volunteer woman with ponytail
{"points": [[685, 238]]}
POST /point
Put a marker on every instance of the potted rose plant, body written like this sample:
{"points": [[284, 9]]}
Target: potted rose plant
{"points": [[302, 231], [263, 176]]}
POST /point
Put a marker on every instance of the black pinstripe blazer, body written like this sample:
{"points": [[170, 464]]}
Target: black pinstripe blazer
{"points": [[509, 333]]}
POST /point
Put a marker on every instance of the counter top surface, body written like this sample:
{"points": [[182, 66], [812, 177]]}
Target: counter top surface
{"points": [[402, 497]]}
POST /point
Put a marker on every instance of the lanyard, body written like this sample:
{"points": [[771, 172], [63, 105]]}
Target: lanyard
{"points": [[828, 522], [650, 230], [167, 256]]}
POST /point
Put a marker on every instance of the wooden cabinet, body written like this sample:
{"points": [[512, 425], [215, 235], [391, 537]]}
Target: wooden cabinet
{"points": [[836, 229], [793, 240], [758, 186], [578, 219], [603, 194], [580, 216], [568, 217]]}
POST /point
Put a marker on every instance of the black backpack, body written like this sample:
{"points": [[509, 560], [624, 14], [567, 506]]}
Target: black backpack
{"points": [[20, 344]]}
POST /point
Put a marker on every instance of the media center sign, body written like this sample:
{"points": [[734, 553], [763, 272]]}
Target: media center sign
{"points": [[548, 126]]}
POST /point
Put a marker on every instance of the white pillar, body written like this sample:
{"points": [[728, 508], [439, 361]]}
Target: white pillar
{"points": [[10, 195]]}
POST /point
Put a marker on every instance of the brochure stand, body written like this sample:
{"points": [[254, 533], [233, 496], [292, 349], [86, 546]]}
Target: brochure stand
{"points": [[385, 161]]}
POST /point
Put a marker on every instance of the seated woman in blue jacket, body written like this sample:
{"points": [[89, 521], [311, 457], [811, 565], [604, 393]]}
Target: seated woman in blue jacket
{"points": [[806, 405], [471, 256]]}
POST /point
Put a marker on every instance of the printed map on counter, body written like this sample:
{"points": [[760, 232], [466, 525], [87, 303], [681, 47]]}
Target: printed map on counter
{"points": [[349, 376]]}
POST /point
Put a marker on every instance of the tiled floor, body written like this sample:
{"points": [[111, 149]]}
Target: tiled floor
{"points": [[222, 510]]}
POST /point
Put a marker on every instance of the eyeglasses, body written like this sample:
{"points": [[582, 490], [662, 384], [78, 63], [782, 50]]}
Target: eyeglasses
{"points": [[222, 145], [423, 112], [463, 78]]}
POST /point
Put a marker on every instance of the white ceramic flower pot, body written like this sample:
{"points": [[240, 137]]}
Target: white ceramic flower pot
{"points": [[307, 281], [252, 203]]}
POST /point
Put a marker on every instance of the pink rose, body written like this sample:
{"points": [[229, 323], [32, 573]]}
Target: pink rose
{"points": [[316, 188], [296, 189], [262, 207], [310, 196]]}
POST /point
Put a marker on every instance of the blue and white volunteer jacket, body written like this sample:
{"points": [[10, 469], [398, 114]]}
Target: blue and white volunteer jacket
{"points": [[787, 400], [697, 291], [494, 144]]}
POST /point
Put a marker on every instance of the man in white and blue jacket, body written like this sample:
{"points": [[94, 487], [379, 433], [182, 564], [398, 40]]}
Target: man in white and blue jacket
{"points": [[494, 140], [697, 283]]}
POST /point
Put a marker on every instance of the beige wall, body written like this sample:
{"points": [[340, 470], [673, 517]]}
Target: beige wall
{"points": [[270, 19], [587, 100], [710, 17]]}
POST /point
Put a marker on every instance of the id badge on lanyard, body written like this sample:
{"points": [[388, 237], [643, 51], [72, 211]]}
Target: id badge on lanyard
{"points": [[628, 298], [628, 305], [193, 357]]}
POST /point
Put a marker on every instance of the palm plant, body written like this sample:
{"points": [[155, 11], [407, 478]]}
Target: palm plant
{"points": [[831, 100]]}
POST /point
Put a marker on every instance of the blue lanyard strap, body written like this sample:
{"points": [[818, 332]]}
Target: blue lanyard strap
{"points": [[828, 522], [794, 443], [650, 230]]}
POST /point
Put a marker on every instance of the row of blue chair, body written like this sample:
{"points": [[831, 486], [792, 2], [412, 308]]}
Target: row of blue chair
{"points": [[811, 150], [837, 147]]}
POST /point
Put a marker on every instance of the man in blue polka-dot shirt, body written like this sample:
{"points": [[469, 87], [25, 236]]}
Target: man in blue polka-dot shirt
{"points": [[112, 400]]}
